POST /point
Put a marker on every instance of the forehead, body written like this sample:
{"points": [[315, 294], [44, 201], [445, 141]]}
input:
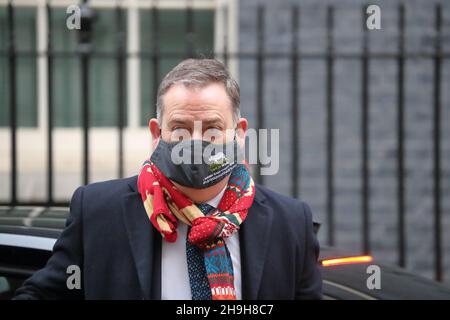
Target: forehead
{"points": [[197, 103]]}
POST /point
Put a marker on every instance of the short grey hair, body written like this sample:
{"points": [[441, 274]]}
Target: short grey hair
{"points": [[199, 73]]}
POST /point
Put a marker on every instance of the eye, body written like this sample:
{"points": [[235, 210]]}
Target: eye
{"points": [[179, 133], [213, 133], [179, 130]]}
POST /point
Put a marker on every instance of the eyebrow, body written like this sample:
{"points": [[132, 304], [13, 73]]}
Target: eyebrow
{"points": [[182, 120], [212, 121], [178, 121]]}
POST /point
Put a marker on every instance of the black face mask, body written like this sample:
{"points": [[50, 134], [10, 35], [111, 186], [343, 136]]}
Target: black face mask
{"points": [[196, 164]]}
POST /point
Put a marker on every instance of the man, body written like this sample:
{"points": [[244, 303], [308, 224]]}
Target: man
{"points": [[186, 229]]}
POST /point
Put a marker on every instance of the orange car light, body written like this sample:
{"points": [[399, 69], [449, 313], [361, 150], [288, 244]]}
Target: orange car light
{"points": [[346, 260]]}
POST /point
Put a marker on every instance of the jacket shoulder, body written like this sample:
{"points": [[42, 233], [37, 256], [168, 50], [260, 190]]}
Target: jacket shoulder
{"points": [[289, 209], [104, 195], [111, 186], [272, 197]]}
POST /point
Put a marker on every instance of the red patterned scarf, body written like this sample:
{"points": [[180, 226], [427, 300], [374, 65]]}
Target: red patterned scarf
{"points": [[166, 205]]}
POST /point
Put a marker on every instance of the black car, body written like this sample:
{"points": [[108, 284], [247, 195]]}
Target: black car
{"points": [[27, 236]]}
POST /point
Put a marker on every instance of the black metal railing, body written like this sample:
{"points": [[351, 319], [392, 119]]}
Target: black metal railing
{"points": [[260, 56]]}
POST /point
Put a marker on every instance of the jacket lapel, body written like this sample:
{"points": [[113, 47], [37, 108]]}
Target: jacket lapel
{"points": [[145, 243], [254, 237]]}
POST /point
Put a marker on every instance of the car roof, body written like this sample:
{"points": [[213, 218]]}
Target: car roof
{"points": [[395, 283], [33, 221]]}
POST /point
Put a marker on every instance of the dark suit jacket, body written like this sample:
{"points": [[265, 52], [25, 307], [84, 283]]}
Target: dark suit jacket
{"points": [[109, 236]]}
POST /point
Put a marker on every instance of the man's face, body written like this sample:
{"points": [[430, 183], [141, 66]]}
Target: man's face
{"points": [[203, 113]]}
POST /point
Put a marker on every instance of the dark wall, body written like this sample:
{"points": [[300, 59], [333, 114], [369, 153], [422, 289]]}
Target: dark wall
{"points": [[383, 98]]}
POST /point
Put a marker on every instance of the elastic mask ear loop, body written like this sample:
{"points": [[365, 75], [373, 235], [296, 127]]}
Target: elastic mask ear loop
{"points": [[160, 134], [236, 146]]}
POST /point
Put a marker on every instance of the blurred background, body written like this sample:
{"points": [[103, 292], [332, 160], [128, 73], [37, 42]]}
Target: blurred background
{"points": [[364, 115]]}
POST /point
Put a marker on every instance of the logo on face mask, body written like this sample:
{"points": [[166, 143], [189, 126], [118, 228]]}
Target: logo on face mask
{"points": [[195, 163], [215, 162]]}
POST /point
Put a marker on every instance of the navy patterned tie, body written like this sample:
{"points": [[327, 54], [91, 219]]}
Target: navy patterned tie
{"points": [[198, 279]]}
